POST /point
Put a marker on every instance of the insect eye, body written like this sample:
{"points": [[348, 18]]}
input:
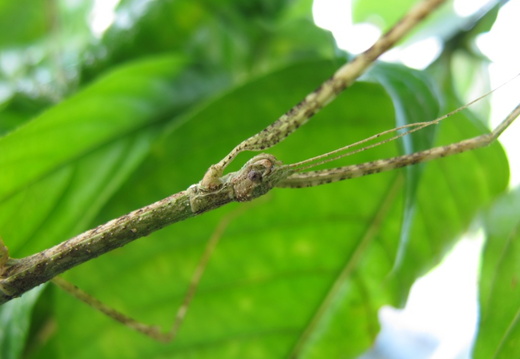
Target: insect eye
{"points": [[254, 176]]}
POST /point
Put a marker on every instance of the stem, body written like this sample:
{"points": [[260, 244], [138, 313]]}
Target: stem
{"points": [[41, 267]]}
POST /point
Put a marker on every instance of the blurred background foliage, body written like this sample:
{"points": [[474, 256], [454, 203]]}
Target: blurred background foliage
{"points": [[95, 125]]}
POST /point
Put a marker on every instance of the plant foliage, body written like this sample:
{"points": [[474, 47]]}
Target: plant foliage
{"points": [[140, 113]]}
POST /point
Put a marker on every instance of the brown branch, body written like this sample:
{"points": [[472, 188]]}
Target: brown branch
{"points": [[256, 178]]}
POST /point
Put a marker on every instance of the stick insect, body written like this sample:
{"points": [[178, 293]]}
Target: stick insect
{"points": [[267, 165], [262, 173]]}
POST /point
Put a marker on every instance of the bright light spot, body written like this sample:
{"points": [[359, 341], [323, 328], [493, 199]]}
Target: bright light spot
{"points": [[417, 55], [467, 8], [440, 317], [359, 38], [5, 92], [332, 14], [102, 15], [446, 299], [336, 16], [9, 62]]}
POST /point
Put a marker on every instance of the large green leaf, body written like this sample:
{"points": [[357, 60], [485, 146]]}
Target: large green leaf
{"points": [[499, 328], [60, 168], [17, 30], [86, 145], [302, 271]]}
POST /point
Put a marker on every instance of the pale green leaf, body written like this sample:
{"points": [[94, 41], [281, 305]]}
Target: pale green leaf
{"points": [[499, 326]]}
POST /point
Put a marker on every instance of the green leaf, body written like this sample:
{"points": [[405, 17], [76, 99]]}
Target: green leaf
{"points": [[15, 318], [499, 327], [16, 30], [19, 109], [414, 97], [86, 145], [61, 167], [300, 271], [303, 271]]}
